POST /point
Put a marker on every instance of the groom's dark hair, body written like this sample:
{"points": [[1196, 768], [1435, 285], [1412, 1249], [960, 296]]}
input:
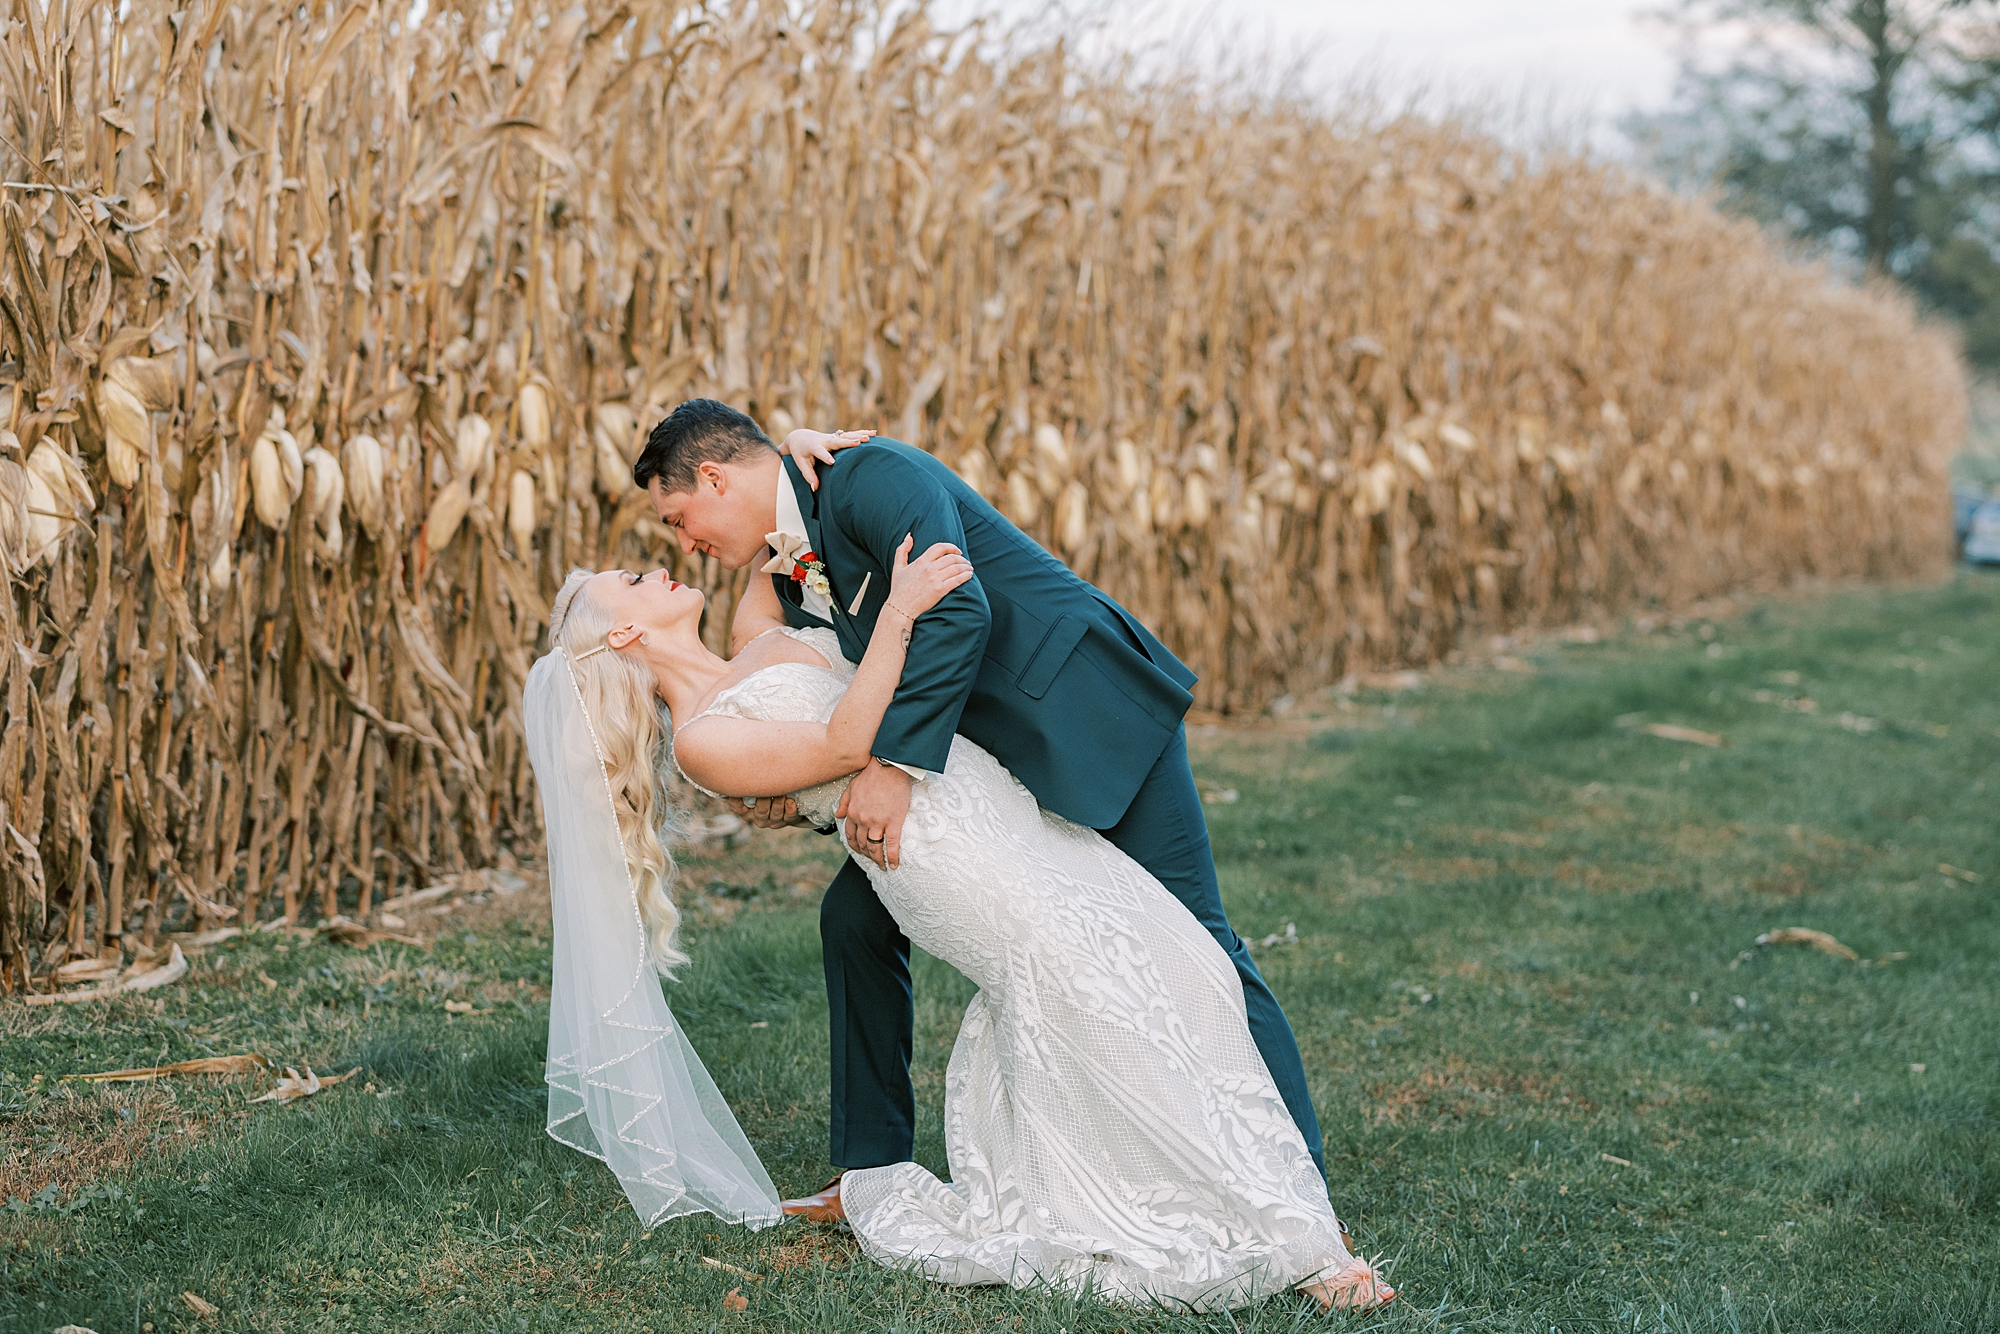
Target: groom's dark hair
{"points": [[699, 431]]}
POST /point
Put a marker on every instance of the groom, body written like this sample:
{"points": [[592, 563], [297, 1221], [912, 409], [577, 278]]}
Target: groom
{"points": [[1057, 681]]}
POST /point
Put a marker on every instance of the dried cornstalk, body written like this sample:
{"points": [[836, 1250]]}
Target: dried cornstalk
{"points": [[327, 332]]}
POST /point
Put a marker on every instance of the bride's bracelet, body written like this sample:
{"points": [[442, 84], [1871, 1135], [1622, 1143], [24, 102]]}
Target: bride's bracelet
{"points": [[891, 605]]}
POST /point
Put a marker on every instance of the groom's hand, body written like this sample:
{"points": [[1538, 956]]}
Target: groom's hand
{"points": [[769, 812], [874, 806]]}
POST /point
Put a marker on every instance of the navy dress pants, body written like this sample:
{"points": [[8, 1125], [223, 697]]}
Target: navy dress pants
{"points": [[868, 976]]}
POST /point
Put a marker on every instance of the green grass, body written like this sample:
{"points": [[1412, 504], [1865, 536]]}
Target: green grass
{"points": [[1524, 948]]}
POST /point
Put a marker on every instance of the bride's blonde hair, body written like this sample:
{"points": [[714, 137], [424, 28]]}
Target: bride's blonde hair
{"points": [[634, 733]]}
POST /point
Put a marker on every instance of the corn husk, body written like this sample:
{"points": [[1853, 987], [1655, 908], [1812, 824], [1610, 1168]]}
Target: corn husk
{"points": [[1049, 445], [1131, 465], [1805, 935], [44, 520], [291, 464], [211, 521], [1024, 500], [149, 380], [66, 480], [1375, 488], [362, 461], [1073, 518], [1195, 501], [1163, 501], [614, 473], [535, 422], [472, 446], [325, 488], [128, 431], [617, 424], [521, 510], [975, 468], [448, 510], [13, 516], [270, 490]]}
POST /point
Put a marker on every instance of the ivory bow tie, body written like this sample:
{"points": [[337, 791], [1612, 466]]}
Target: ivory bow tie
{"points": [[790, 551]]}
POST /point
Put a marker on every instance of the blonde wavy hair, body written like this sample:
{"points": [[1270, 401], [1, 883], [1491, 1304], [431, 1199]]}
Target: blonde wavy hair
{"points": [[634, 732]]}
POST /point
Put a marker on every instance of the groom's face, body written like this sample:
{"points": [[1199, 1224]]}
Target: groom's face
{"points": [[721, 517]]}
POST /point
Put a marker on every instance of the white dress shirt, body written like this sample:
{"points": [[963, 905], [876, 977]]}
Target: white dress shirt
{"points": [[792, 523]]}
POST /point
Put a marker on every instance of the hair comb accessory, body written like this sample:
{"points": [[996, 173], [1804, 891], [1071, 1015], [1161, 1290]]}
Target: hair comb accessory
{"points": [[559, 609], [587, 652]]}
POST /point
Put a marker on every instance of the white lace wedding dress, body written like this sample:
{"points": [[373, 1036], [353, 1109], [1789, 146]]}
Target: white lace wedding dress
{"points": [[1109, 1123]]}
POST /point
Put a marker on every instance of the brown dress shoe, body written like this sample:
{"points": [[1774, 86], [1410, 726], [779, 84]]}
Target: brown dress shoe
{"points": [[823, 1206]]}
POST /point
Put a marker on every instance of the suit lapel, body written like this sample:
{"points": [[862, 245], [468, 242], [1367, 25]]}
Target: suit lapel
{"points": [[789, 591], [808, 505]]}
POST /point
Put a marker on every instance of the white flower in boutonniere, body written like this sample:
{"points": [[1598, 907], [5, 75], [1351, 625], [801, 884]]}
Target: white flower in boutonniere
{"points": [[797, 562]]}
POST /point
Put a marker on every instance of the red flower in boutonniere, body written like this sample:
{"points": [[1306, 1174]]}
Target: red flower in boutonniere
{"points": [[797, 562]]}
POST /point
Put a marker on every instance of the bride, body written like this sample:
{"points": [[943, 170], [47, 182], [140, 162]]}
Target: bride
{"points": [[1109, 1122]]}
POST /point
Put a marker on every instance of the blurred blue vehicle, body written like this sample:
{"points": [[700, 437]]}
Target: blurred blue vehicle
{"points": [[1963, 505], [1982, 538]]}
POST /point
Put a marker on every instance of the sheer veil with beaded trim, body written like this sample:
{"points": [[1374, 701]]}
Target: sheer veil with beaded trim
{"points": [[625, 1085]]}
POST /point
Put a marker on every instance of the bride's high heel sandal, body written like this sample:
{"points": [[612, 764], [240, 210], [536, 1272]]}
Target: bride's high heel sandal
{"points": [[823, 1206], [1358, 1287]]}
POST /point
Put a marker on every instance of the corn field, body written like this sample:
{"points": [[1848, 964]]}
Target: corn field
{"points": [[328, 333]]}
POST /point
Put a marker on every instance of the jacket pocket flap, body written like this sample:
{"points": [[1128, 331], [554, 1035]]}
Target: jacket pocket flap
{"points": [[1048, 658]]}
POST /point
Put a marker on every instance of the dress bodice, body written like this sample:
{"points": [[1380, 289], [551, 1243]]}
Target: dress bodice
{"points": [[792, 692]]}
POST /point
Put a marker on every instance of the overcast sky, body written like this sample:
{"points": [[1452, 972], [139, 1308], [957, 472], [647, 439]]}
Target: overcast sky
{"points": [[1575, 59], [1592, 54]]}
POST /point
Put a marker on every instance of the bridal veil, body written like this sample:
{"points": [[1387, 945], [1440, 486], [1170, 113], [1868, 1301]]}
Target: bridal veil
{"points": [[624, 1083]]}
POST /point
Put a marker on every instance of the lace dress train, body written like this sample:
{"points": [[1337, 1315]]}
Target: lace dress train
{"points": [[1109, 1123]]}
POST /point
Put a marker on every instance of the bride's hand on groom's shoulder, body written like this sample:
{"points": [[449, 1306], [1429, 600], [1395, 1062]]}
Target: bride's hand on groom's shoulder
{"points": [[915, 586], [810, 448]]}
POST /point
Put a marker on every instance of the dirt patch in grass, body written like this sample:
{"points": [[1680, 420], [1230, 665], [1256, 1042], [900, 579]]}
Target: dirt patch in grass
{"points": [[1458, 1091], [70, 1137], [1599, 879], [829, 1246], [1787, 882], [1693, 842], [483, 905], [1513, 838], [1446, 870]]}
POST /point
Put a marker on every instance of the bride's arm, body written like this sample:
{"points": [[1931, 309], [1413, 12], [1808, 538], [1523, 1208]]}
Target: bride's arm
{"points": [[743, 756]]}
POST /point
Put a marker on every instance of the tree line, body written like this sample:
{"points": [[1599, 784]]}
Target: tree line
{"points": [[1867, 129]]}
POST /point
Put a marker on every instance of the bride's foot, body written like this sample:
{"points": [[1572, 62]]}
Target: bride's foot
{"points": [[823, 1206], [1358, 1287]]}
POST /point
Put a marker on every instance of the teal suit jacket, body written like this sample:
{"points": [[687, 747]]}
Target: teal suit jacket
{"points": [[1061, 684]]}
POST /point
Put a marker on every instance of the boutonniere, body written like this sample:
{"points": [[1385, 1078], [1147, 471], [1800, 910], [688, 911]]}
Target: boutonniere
{"points": [[797, 562]]}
